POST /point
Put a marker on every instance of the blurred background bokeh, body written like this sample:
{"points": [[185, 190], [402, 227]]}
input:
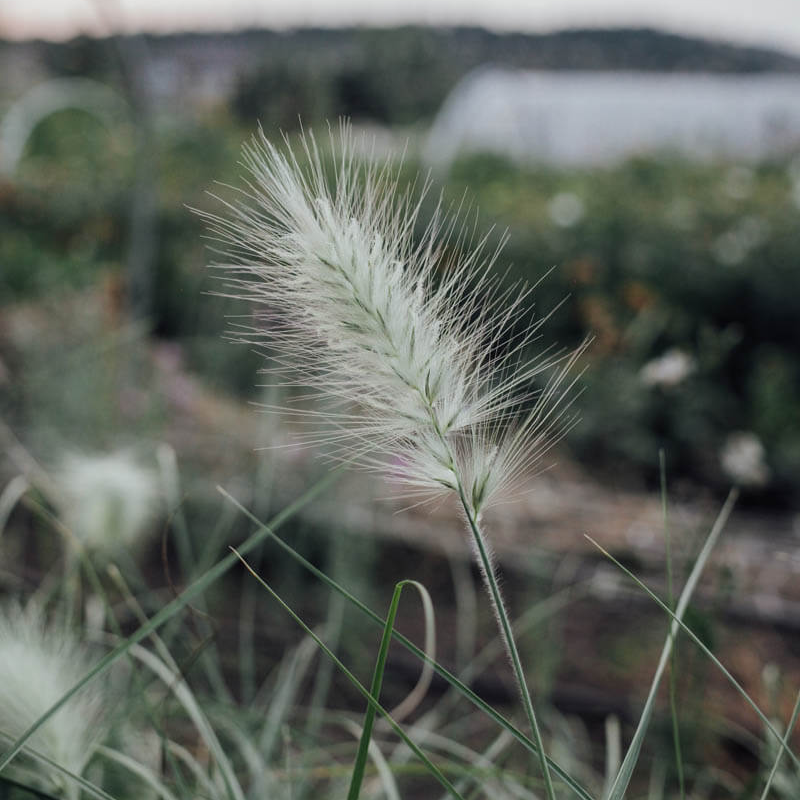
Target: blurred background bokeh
{"points": [[651, 173]]}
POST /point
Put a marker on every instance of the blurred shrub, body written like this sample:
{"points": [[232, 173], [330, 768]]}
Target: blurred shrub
{"points": [[84, 56], [62, 219], [663, 256], [393, 77], [280, 94]]}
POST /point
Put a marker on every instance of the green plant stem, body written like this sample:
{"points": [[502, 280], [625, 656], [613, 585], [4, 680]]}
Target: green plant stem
{"points": [[490, 579]]}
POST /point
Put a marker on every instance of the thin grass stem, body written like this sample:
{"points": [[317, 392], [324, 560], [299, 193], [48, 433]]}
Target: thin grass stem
{"points": [[677, 620], [487, 569], [375, 691], [620, 785]]}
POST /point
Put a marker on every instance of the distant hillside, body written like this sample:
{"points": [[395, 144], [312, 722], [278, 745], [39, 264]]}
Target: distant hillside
{"points": [[392, 75], [590, 48]]}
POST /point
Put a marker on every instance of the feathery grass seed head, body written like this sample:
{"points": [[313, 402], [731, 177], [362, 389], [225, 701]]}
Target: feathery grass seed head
{"points": [[40, 663], [110, 500], [354, 307]]}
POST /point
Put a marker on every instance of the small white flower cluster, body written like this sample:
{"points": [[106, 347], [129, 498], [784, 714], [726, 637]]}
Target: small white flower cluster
{"points": [[39, 664], [355, 308], [743, 459], [110, 500], [669, 369]]}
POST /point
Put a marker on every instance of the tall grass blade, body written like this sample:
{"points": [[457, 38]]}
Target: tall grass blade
{"points": [[5, 783], [613, 751], [375, 689], [86, 785], [785, 742], [620, 785], [385, 773], [183, 694], [673, 700], [696, 639], [14, 491], [291, 674], [139, 770]]}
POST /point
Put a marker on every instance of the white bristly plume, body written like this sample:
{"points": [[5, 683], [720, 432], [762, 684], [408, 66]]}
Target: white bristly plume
{"points": [[38, 665], [430, 380], [424, 384]]}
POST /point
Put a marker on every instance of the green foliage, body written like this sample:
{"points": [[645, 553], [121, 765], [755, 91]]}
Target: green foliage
{"points": [[280, 95], [664, 255]]}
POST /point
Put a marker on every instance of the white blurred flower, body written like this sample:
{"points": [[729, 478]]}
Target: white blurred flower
{"points": [[743, 459], [565, 209], [669, 369], [734, 245], [110, 500], [38, 665]]}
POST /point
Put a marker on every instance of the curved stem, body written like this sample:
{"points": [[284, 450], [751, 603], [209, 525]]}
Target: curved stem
{"points": [[504, 623]]}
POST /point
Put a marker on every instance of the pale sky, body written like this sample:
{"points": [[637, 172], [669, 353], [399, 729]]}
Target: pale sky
{"points": [[771, 23]]}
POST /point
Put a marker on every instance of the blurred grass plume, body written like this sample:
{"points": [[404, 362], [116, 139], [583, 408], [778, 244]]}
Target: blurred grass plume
{"points": [[39, 663]]}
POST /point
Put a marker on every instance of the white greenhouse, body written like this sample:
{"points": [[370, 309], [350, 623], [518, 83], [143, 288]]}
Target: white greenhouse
{"points": [[579, 118]]}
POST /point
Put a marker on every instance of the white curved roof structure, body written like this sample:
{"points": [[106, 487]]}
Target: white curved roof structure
{"points": [[600, 117]]}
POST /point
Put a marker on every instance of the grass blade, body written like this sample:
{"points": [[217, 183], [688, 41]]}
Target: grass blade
{"points": [[375, 689], [785, 741], [139, 770], [86, 785], [673, 700], [696, 639], [620, 785], [6, 782]]}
